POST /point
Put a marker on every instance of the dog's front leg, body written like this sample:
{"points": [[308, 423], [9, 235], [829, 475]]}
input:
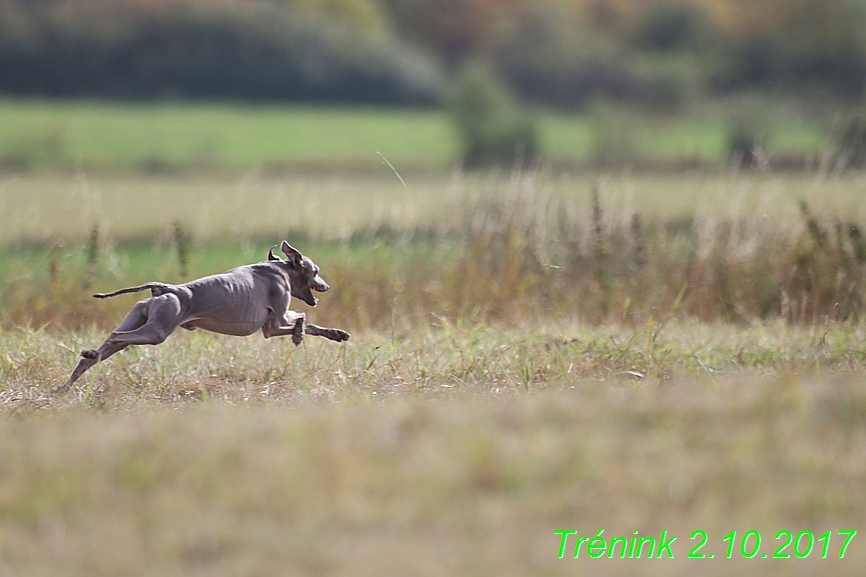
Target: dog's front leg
{"points": [[338, 335], [292, 324]]}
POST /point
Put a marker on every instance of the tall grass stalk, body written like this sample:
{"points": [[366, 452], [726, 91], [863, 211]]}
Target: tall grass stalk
{"points": [[515, 252]]}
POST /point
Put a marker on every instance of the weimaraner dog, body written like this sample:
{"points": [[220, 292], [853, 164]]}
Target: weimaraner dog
{"points": [[238, 302]]}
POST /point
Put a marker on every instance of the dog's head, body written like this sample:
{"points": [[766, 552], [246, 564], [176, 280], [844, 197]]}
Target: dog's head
{"points": [[303, 274]]}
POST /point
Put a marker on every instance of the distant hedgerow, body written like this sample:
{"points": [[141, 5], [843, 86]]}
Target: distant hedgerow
{"points": [[138, 50]]}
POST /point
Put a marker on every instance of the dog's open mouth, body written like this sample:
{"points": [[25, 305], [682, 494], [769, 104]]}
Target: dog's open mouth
{"points": [[317, 288]]}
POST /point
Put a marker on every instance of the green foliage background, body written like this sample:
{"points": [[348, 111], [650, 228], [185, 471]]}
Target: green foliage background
{"points": [[662, 55]]}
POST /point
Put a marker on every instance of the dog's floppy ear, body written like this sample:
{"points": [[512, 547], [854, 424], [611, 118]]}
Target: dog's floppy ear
{"points": [[293, 254], [271, 255]]}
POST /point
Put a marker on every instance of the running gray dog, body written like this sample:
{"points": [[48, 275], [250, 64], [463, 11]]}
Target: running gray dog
{"points": [[238, 302]]}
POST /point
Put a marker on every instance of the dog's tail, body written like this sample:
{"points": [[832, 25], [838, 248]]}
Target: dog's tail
{"points": [[156, 289]]}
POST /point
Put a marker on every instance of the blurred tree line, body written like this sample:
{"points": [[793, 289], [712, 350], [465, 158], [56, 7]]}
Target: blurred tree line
{"points": [[491, 56], [562, 53], [658, 53], [327, 50]]}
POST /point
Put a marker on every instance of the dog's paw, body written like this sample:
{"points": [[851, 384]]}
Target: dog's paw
{"points": [[60, 389], [90, 354], [341, 335], [298, 339], [337, 335]]}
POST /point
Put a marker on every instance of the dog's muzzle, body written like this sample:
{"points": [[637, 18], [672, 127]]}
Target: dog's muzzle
{"points": [[319, 285]]}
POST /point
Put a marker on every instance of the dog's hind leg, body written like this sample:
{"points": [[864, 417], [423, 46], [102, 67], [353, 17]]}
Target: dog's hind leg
{"points": [[136, 318], [148, 323]]}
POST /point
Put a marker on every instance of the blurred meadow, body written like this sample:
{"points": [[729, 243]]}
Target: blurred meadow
{"points": [[603, 263], [159, 138]]}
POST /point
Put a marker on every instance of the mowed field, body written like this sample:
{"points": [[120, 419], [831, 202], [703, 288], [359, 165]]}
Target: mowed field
{"points": [[165, 137], [532, 352], [60, 208]]}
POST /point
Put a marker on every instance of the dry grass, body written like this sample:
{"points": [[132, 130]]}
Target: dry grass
{"points": [[512, 250], [62, 209], [450, 450], [436, 360], [485, 401]]}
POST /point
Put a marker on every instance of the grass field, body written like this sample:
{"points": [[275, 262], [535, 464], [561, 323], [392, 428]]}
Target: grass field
{"points": [[719, 247], [61, 208], [165, 137], [445, 450], [532, 352]]}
